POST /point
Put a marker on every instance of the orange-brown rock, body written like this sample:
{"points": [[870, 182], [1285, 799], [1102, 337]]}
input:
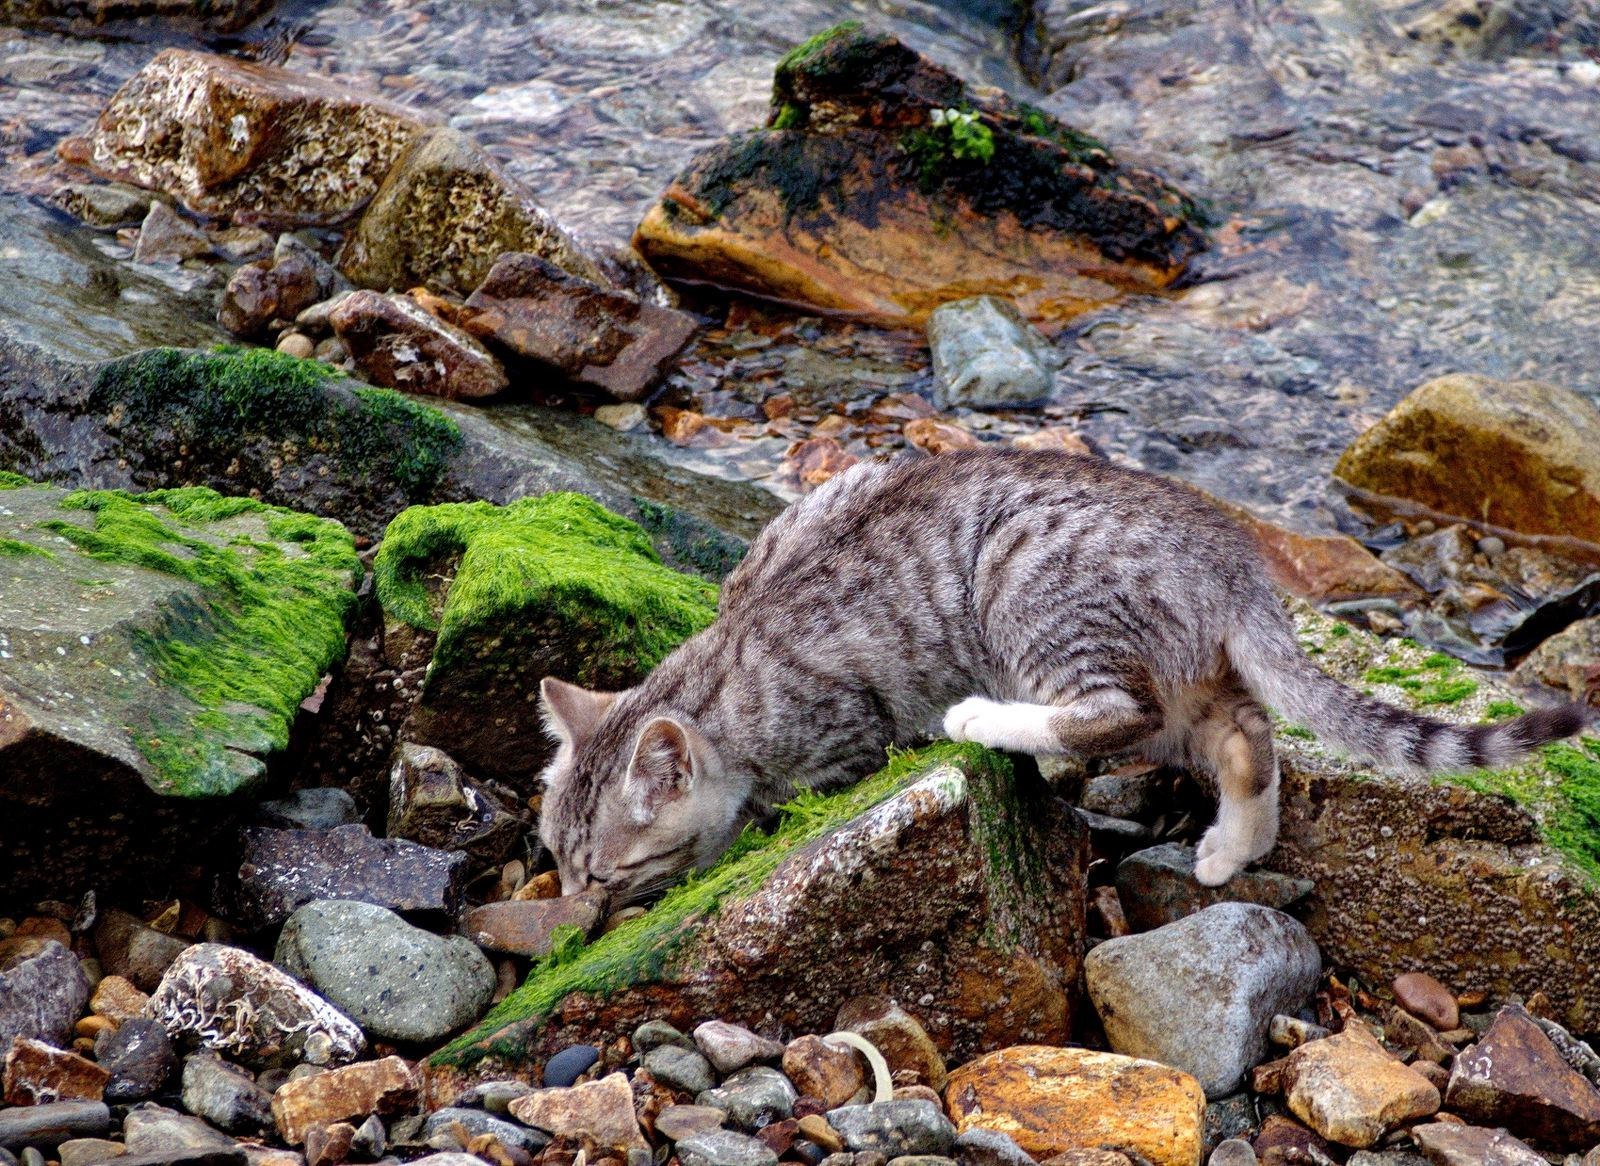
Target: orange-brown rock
{"points": [[524, 926], [863, 196], [1053, 1100], [1423, 996], [37, 1074], [386, 1086], [232, 137], [399, 344], [938, 435], [600, 1111], [830, 1073], [1351, 1091]]}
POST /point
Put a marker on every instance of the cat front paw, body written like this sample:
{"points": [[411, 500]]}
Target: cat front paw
{"points": [[966, 720]]}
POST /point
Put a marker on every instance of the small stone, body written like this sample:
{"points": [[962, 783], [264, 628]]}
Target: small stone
{"points": [[986, 355], [354, 1091], [898, 1035], [225, 1095], [724, 1148], [432, 801], [1437, 1075], [1448, 1144], [1491, 545], [922, 1160], [568, 1065], [624, 417], [242, 244], [1157, 886], [1291, 1032], [980, 1147], [140, 1058], [329, 1145], [114, 204], [1405, 1031], [228, 1000], [47, 1126], [1516, 1078], [397, 343], [546, 885], [653, 1034], [129, 949], [88, 1151], [165, 236], [322, 808], [679, 1121], [42, 995], [599, 1110], [1423, 996], [116, 999], [396, 981], [815, 1128], [730, 1047], [153, 1129], [1131, 792], [496, 1096], [525, 927], [895, 1128], [680, 1069], [753, 1097], [1282, 1141], [830, 1073], [1232, 1152], [37, 1073], [296, 344], [939, 435], [1351, 1091], [437, 1130]]}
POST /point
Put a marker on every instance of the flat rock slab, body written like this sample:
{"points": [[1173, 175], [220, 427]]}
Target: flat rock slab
{"points": [[862, 197], [945, 875], [383, 1087], [232, 137], [153, 652], [1515, 1077], [1157, 886]]}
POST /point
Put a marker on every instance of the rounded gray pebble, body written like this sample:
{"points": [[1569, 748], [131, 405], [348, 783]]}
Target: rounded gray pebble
{"points": [[1233, 1152], [724, 1148], [680, 1069], [566, 1066]]}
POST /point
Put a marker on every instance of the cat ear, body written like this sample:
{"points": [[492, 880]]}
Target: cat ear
{"points": [[571, 713], [666, 763]]}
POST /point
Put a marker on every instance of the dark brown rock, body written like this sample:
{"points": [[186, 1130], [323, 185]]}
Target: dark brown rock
{"points": [[281, 870], [279, 288], [523, 927], [1157, 886], [1514, 1077], [100, 17], [575, 327], [138, 953], [37, 1073], [830, 1073], [433, 802], [1423, 996], [139, 1056], [397, 343], [1448, 1144]]}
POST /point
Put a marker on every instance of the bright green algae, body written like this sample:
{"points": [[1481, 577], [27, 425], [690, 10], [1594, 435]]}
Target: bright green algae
{"points": [[557, 554], [638, 951], [270, 622]]}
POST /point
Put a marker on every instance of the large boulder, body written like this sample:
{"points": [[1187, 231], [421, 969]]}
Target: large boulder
{"points": [[946, 879], [1489, 878], [231, 137], [444, 214], [1517, 454], [153, 651], [882, 186], [113, 17]]}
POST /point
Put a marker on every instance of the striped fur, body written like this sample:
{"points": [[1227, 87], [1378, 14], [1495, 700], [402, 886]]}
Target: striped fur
{"points": [[1043, 602]]}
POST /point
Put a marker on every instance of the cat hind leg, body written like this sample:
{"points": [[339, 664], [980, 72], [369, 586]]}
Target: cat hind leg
{"points": [[1236, 743]]}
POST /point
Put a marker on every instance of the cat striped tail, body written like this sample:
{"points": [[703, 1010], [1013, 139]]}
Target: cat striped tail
{"points": [[1275, 670]]}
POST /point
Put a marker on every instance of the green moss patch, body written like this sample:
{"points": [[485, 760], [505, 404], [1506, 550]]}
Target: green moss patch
{"points": [[1562, 787], [10, 481], [559, 554], [275, 587], [1436, 680], [638, 951], [12, 546]]}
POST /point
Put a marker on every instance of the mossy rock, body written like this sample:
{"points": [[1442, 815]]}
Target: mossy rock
{"points": [[883, 186], [1487, 879], [154, 650], [948, 878]]}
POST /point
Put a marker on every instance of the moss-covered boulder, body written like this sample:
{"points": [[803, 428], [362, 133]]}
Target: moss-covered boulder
{"points": [[153, 652], [1523, 455], [882, 187], [479, 603], [947, 880], [1487, 880]]}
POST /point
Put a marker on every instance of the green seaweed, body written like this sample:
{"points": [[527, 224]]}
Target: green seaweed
{"points": [[808, 49], [638, 951], [1498, 709], [11, 546], [1085, 149], [561, 554], [1434, 681], [10, 481], [270, 624], [1562, 786]]}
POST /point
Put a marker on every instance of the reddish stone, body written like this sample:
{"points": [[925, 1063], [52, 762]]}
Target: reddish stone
{"points": [[397, 343], [939, 436], [37, 1074], [524, 926], [384, 1087], [1515, 1078], [1423, 996]]}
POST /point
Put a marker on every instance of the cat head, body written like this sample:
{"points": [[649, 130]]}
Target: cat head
{"points": [[634, 798]]}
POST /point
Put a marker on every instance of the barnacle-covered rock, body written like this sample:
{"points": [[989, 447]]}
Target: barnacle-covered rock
{"points": [[228, 1000]]}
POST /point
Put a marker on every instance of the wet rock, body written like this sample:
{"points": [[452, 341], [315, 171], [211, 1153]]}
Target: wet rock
{"points": [[1351, 1091], [133, 951], [431, 801], [845, 883], [1200, 993], [1282, 1141], [282, 870], [104, 734], [1517, 454], [89, 1151], [165, 236], [290, 283], [1567, 660], [1291, 1032], [1232, 1152], [155, 1129], [1157, 886], [680, 1121], [1423, 996], [753, 1097], [397, 343], [568, 1065], [837, 203], [104, 204], [730, 1047], [309, 809], [113, 17], [232, 137], [830, 1073], [981, 1147], [445, 213], [652, 1034], [225, 1095], [47, 1126], [1515, 1077], [899, 1036], [600, 1110], [228, 1000], [396, 981], [679, 1069], [1055, 1100], [43, 994], [724, 1148], [894, 1128], [985, 355], [575, 327], [1449, 1144], [525, 927], [37, 1073], [383, 1087], [437, 1130], [139, 1056]]}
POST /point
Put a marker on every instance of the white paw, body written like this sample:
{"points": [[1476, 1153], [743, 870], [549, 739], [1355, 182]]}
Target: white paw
{"points": [[1216, 869], [1209, 843], [966, 720]]}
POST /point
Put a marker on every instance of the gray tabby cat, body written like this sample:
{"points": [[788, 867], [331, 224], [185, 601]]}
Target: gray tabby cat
{"points": [[1038, 602]]}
